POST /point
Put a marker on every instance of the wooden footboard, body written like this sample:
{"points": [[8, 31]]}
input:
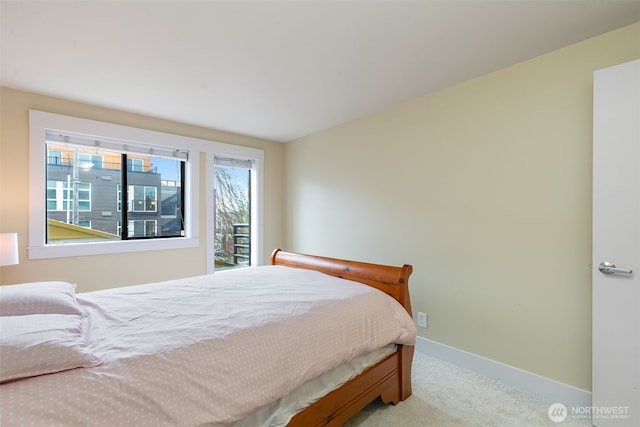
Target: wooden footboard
{"points": [[390, 378]]}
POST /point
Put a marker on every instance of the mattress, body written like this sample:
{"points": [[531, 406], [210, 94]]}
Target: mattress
{"points": [[280, 412]]}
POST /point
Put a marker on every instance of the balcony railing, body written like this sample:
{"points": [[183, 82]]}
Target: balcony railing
{"points": [[233, 246], [68, 162]]}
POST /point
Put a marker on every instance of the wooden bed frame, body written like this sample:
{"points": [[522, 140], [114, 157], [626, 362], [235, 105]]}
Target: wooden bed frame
{"points": [[390, 378]]}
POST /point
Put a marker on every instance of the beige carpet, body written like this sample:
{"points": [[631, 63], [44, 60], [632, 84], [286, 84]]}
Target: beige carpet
{"points": [[449, 396]]}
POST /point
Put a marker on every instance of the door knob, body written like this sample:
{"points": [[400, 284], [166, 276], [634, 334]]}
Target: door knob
{"points": [[607, 267]]}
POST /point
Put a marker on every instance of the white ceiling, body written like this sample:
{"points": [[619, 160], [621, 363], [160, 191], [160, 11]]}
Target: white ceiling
{"points": [[278, 70]]}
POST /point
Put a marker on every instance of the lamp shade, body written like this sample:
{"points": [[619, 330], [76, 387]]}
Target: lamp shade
{"points": [[8, 248]]}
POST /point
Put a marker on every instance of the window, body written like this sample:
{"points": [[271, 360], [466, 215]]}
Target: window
{"points": [[232, 187], [136, 165], [78, 208], [77, 177], [60, 198], [91, 159], [83, 171], [54, 157], [236, 204], [145, 199], [139, 228]]}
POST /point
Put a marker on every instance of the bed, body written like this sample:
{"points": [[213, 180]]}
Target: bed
{"points": [[300, 342]]}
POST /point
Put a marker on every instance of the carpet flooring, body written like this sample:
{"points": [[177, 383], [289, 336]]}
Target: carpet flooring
{"points": [[446, 395]]}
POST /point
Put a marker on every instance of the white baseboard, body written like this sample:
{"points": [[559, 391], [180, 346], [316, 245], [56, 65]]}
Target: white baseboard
{"points": [[552, 390]]}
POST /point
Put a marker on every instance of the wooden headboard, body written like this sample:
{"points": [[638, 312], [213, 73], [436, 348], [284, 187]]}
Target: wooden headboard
{"points": [[391, 280]]}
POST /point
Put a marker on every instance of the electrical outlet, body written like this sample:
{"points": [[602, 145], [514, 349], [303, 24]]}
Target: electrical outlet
{"points": [[422, 319]]}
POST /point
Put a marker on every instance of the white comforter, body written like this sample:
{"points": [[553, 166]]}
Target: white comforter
{"points": [[209, 349]]}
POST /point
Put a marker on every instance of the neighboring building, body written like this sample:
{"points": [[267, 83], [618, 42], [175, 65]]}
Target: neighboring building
{"points": [[84, 188]]}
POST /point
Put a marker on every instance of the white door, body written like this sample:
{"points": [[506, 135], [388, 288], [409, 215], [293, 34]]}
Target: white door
{"points": [[616, 240]]}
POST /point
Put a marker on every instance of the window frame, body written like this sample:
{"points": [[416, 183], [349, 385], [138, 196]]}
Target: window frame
{"points": [[40, 122], [257, 199]]}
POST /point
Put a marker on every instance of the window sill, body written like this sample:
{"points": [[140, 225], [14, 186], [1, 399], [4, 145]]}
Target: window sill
{"points": [[105, 248]]}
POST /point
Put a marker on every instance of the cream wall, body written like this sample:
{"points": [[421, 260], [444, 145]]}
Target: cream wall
{"points": [[98, 272], [485, 187]]}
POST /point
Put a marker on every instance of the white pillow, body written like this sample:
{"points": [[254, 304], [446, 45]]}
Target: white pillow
{"points": [[39, 344], [39, 298]]}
